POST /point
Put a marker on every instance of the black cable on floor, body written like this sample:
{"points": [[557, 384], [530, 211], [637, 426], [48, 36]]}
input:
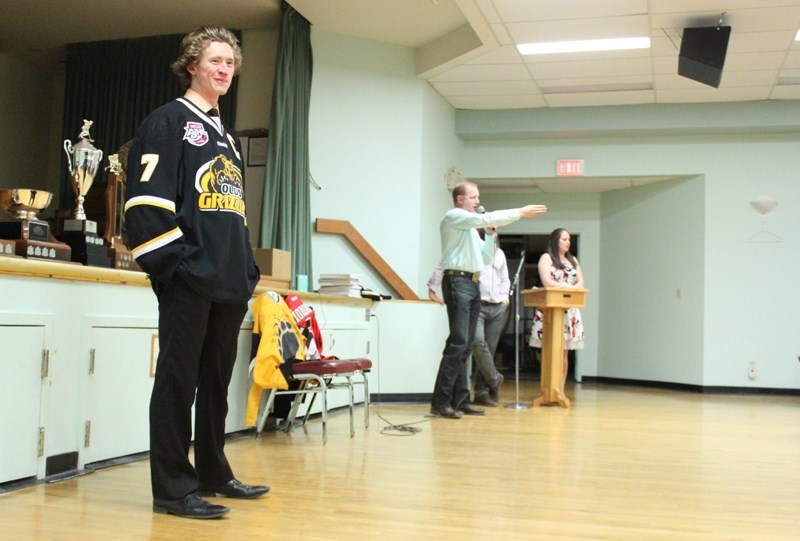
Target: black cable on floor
{"points": [[391, 429]]}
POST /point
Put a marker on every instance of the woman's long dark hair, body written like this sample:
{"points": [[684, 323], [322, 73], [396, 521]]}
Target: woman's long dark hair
{"points": [[552, 249]]}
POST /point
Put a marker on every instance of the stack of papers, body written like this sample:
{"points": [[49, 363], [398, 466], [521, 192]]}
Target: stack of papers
{"points": [[345, 285]]}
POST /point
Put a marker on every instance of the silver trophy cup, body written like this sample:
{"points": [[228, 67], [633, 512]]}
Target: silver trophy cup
{"points": [[84, 161]]}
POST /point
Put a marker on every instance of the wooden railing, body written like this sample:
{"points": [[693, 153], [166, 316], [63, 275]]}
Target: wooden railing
{"points": [[346, 229]]}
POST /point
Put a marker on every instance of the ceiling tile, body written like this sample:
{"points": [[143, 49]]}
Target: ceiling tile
{"points": [[577, 29], [500, 55], [594, 68], [513, 11], [709, 94], [786, 92], [753, 61], [485, 72], [751, 42], [501, 34], [486, 88], [600, 98], [498, 102]]}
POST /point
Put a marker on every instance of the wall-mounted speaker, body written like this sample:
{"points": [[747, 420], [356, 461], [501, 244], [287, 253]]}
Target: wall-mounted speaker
{"points": [[702, 54]]}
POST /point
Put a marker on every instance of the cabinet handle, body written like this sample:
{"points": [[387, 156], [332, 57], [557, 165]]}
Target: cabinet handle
{"points": [[45, 363]]}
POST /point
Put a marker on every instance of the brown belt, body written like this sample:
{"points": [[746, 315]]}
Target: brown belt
{"points": [[474, 276]]}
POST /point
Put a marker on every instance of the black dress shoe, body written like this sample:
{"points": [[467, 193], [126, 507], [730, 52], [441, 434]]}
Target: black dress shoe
{"points": [[234, 489], [469, 409], [494, 392], [447, 412], [485, 400], [191, 506]]}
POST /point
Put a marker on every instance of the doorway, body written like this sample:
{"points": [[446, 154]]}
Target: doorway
{"points": [[530, 247]]}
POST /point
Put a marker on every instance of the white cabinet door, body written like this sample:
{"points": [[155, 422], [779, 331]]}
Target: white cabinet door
{"points": [[20, 399], [121, 382], [119, 392]]}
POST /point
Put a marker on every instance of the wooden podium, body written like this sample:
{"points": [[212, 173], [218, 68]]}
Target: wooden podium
{"points": [[553, 301]]}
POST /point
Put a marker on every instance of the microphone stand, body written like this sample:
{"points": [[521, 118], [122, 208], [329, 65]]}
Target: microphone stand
{"points": [[517, 405]]}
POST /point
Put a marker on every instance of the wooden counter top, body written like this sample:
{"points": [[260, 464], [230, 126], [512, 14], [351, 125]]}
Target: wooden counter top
{"points": [[18, 266]]}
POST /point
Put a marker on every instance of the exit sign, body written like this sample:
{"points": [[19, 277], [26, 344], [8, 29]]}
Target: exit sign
{"points": [[569, 168]]}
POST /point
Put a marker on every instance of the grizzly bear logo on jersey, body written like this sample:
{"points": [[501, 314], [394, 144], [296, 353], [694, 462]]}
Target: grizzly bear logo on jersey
{"points": [[219, 183]]}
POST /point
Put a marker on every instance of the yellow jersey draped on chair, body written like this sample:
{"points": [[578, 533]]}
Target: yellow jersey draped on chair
{"points": [[281, 343]]}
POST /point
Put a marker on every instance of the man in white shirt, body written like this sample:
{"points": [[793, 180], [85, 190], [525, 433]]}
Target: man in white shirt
{"points": [[494, 286], [464, 255]]}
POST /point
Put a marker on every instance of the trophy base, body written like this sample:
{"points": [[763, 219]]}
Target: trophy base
{"points": [[87, 248], [80, 226], [43, 251], [122, 258], [8, 248], [25, 229], [31, 239]]}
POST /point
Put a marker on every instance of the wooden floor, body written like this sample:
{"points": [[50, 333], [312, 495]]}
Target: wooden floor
{"points": [[623, 463]]}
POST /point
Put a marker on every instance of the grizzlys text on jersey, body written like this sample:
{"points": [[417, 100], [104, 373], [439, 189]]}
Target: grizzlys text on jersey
{"points": [[219, 183]]}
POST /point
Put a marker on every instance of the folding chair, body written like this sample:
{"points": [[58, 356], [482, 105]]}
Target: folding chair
{"points": [[316, 377], [363, 368]]}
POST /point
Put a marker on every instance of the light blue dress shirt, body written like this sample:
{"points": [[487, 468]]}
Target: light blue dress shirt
{"points": [[462, 247]]}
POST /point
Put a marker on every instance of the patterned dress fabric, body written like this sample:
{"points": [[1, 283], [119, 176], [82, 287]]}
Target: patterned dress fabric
{"points": [[573, 323]]}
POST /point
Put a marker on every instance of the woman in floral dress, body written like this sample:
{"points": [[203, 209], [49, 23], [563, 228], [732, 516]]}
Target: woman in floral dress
{"points": [[559, 268]]}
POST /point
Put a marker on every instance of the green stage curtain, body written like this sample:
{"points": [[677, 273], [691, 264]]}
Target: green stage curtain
{"points": [[286, 214]]}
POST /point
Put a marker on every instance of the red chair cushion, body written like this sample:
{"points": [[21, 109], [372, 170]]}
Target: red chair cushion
{"points": [[322, 368]]}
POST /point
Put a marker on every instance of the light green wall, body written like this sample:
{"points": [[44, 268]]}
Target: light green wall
{"points": [[380, 143], [751, 287], [652, 268], [441, 151], [738, 298]]}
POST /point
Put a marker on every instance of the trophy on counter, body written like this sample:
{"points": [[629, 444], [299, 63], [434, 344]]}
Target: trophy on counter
{"points": [[79, 232], [121, 256], [24, 234]]}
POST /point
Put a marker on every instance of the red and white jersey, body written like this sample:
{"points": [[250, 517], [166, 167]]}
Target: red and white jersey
{"points": [[306, 320]]}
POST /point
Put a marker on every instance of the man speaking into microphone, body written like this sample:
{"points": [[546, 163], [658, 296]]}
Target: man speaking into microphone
{"points": [[464, 255]]}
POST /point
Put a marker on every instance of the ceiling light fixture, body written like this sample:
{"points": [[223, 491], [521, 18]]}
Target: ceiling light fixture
{"points": [[614, 44], [577, 89]]}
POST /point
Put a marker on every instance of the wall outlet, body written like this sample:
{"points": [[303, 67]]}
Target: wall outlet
{"points": [[752, 371]]}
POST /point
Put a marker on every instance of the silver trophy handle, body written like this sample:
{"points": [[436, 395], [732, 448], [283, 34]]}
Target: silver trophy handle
{"points": [[68, 150]]}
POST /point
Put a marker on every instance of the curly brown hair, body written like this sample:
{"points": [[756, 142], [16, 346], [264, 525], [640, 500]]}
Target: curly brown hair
{"points": [[194, 44]]}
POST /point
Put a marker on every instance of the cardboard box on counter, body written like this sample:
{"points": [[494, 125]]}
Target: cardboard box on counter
{"points": [[274, 263]]}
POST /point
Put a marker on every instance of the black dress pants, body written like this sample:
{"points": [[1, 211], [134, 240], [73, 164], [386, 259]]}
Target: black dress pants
{"points": [[197, 351]]}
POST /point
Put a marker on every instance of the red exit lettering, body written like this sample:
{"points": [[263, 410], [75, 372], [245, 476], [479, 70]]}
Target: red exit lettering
{"points": [[569, 168]]}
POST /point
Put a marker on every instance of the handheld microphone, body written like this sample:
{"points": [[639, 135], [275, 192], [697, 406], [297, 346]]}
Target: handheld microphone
{"points": [[480, 209]]}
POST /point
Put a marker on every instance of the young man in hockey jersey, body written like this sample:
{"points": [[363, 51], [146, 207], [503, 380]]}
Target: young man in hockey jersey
{"points": [[185, 216]]}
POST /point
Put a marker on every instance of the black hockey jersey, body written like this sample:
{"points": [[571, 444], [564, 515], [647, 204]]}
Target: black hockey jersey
{"points": [[185, 203]]}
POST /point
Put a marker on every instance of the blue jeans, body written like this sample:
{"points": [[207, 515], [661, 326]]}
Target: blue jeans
{"points": [[463, 300], [491, 322]]}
